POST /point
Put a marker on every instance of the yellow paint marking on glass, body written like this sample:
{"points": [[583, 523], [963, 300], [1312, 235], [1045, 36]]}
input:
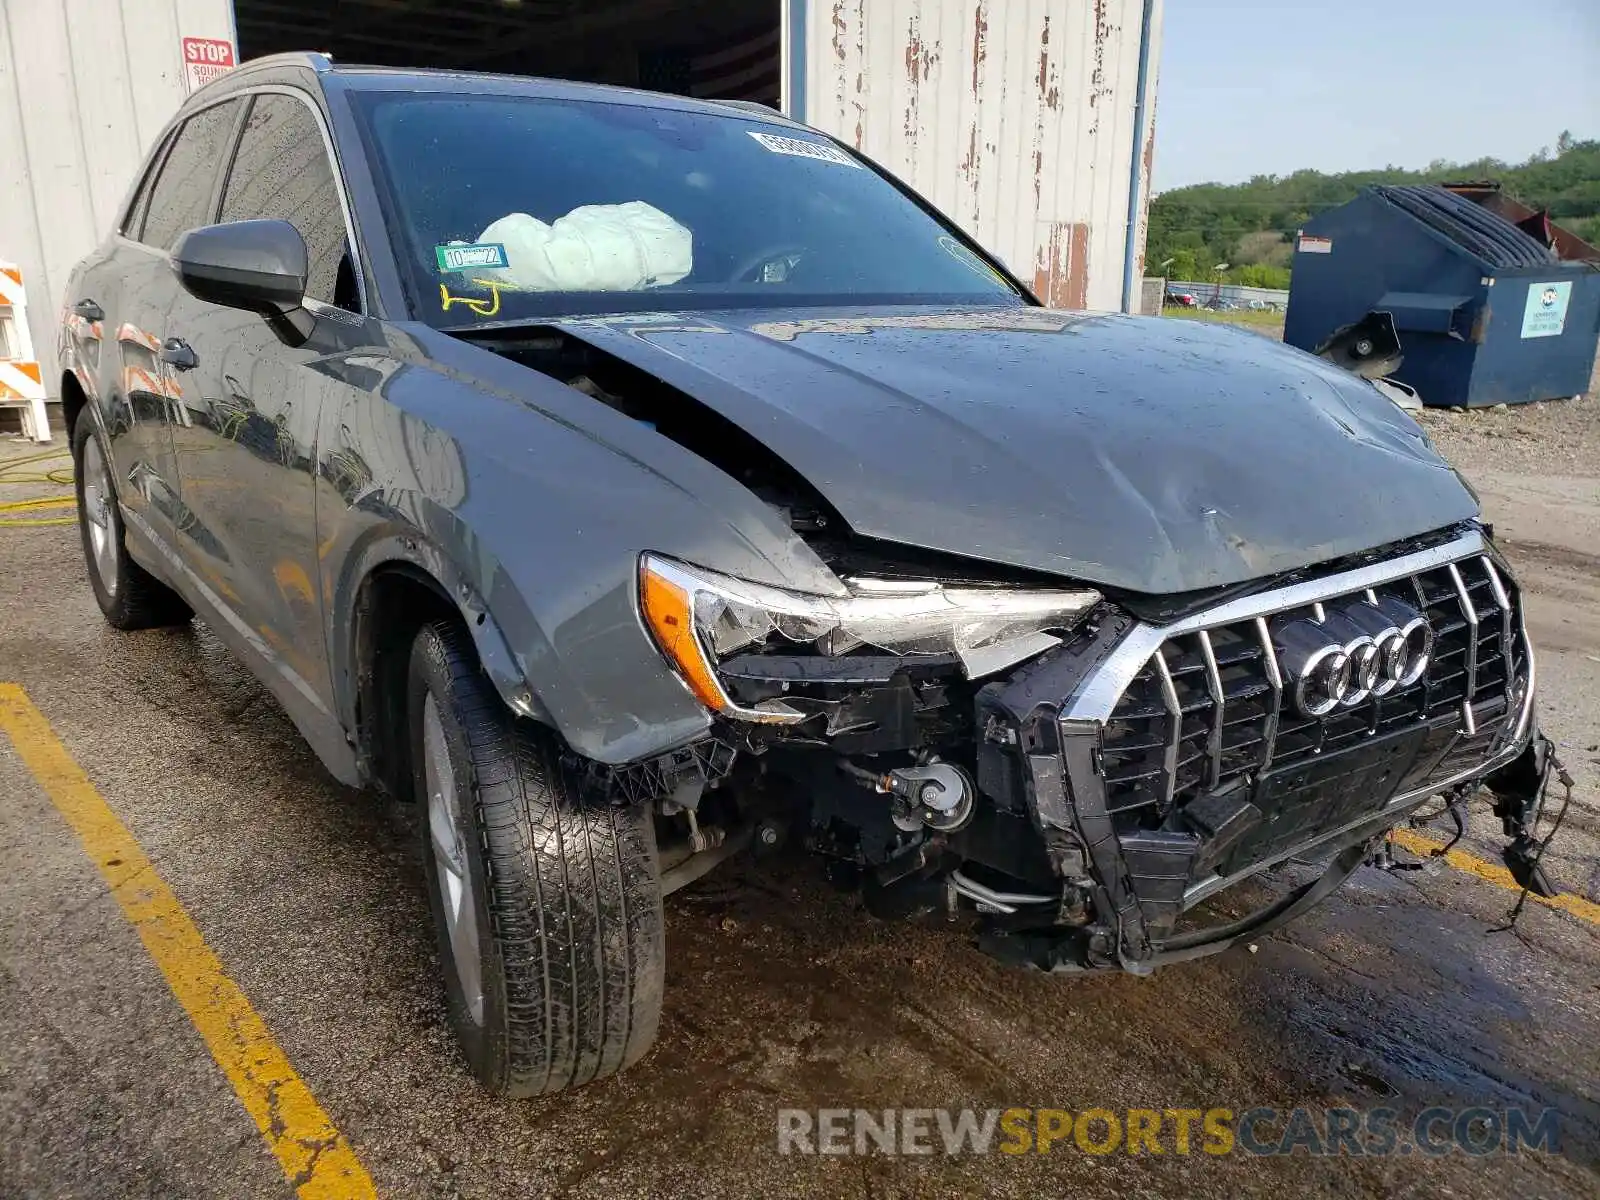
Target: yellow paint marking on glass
{"points": [[484, 308], [313, 1154], [1577, 906]]}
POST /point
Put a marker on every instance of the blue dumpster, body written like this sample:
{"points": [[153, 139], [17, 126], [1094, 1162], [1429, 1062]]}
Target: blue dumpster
{"points": [[1485, 314]]}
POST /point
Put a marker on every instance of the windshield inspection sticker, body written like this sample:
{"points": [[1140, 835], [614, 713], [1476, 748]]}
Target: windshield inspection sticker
{"points": [[470, 256], [1545, 314], [820, 151]]}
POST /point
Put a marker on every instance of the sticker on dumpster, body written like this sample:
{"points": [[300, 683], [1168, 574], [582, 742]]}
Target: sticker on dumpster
{"points": [[1311, 244], [206, 58], [1545, 314], [476, 256], [800, 148]]}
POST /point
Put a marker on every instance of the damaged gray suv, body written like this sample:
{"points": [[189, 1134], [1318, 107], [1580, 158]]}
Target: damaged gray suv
{"points": [[633, 482]]}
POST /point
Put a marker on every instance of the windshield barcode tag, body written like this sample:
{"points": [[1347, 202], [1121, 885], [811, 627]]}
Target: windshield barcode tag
{"points": [[820, 151], [470, 257]]}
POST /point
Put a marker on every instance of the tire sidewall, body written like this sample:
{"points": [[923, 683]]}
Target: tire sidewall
{"points": [[83, 432], [484, 1045]]}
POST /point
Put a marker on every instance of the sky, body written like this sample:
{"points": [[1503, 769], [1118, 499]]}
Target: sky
{"points": [[1252, 87]]}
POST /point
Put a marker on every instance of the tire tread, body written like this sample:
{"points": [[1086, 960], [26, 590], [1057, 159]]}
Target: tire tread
{"points": [[573, 895]]}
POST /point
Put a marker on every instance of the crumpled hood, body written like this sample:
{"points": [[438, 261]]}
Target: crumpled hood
{"points": [[1148, 454]]}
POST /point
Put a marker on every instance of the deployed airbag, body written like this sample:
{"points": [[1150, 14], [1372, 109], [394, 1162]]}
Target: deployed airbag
{"points": [[594, 248]]}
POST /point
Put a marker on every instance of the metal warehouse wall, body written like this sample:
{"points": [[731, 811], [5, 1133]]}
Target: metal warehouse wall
{"points": [[85, 87], [1015, 117]]}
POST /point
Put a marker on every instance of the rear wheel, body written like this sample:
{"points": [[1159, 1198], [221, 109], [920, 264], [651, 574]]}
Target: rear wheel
{"points": [[547, 908], [128, 595]]}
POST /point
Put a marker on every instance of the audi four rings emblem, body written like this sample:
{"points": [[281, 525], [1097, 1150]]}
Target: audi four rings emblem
{"points": [[1368, 648]]}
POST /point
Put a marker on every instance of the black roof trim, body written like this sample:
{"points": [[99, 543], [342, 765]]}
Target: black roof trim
{"points": [[361, 76]]}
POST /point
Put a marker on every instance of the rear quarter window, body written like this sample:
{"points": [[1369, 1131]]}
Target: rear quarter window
{"points": [[133, 224], [180, 198]]}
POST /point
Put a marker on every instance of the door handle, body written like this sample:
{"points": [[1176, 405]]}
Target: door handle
{"points": [[89, 310], [178, 355]]}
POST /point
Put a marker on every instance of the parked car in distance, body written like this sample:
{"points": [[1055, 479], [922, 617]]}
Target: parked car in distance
{"points": [[630, 481], [1179, 299]]}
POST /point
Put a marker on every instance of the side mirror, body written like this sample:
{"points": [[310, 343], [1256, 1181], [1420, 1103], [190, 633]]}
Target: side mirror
{"points": [[258, 266]]}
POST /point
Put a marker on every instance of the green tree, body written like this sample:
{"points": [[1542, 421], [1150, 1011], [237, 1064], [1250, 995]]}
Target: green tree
{"points": [[1212, 222], [1183, 265], [1260, 275]]}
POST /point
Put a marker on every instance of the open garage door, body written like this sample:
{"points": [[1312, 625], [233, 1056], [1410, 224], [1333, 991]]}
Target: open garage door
{"points": [[717, 49]]}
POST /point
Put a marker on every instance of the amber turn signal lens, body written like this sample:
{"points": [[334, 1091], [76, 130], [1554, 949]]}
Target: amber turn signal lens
{"points": [[669, 616]]}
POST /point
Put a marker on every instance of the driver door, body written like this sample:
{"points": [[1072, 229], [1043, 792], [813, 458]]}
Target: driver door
{"points": [[247, 447]]}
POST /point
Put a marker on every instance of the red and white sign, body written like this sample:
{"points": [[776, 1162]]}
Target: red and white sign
{"points": [[206, 58]]}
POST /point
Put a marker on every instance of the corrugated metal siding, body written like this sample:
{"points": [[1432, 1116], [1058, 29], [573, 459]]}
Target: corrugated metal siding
{"points": [[85, 87], [1015, 117]]}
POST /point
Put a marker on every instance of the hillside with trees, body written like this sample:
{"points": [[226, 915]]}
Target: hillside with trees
{"points": [[1250, 225]]}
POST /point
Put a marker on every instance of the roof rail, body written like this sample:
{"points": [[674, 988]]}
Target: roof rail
{"points": [[765, 110], [318, 60]]}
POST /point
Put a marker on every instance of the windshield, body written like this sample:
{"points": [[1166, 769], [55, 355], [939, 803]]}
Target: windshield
{"points": [[509, 207]]}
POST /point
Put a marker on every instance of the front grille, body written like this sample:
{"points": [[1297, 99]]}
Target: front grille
{"points": [[1209, 708]]}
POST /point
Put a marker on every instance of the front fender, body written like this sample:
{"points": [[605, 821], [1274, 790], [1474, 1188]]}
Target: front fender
{"points": [[531, 512], [387, 545]]}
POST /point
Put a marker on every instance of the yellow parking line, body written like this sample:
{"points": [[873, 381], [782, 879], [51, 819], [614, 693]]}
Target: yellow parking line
{"points": [[312, 1152], [1577, 906]]}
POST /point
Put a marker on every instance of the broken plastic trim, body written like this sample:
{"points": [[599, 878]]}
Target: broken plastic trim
{"points": [[988, 628]]}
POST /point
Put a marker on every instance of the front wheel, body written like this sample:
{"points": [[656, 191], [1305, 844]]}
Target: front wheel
{"points": [[547, 907], [128, 595]]}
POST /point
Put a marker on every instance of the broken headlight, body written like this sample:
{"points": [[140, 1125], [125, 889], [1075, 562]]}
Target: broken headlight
{"points": [[699, 618]]}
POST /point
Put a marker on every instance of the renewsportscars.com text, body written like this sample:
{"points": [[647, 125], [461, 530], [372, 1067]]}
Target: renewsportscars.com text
{"points": [[1181, 1131]]}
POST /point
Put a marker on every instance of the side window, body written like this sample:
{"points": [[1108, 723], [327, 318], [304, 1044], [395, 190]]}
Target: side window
{"points": [[282, 171], [141, 201], [181, 197]]}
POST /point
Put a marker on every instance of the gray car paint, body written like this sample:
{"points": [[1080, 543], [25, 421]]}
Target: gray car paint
{"points": [[558, 498], [1087, 447], [1144, 454]]}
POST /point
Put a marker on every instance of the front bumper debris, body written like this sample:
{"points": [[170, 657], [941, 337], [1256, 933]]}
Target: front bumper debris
{"points": [[1149, 801], [1520, 789]]}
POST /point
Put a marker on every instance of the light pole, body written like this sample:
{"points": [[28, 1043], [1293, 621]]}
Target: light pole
{"points": [[1216, 295]]}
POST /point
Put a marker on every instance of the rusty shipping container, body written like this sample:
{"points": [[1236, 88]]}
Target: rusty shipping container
{"points": [[1030, 122]]}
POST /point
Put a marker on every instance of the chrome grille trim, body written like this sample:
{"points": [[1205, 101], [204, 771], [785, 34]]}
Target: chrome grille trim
{"points": [[1502, 599], [1218, 701], [1471, 614], [1269, 738], [1169, 695], [1097, 696], [1530, 695], [1206, 708]]}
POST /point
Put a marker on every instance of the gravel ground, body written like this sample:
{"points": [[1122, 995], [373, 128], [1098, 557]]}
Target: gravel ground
{"points": [[1560, 437]]}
